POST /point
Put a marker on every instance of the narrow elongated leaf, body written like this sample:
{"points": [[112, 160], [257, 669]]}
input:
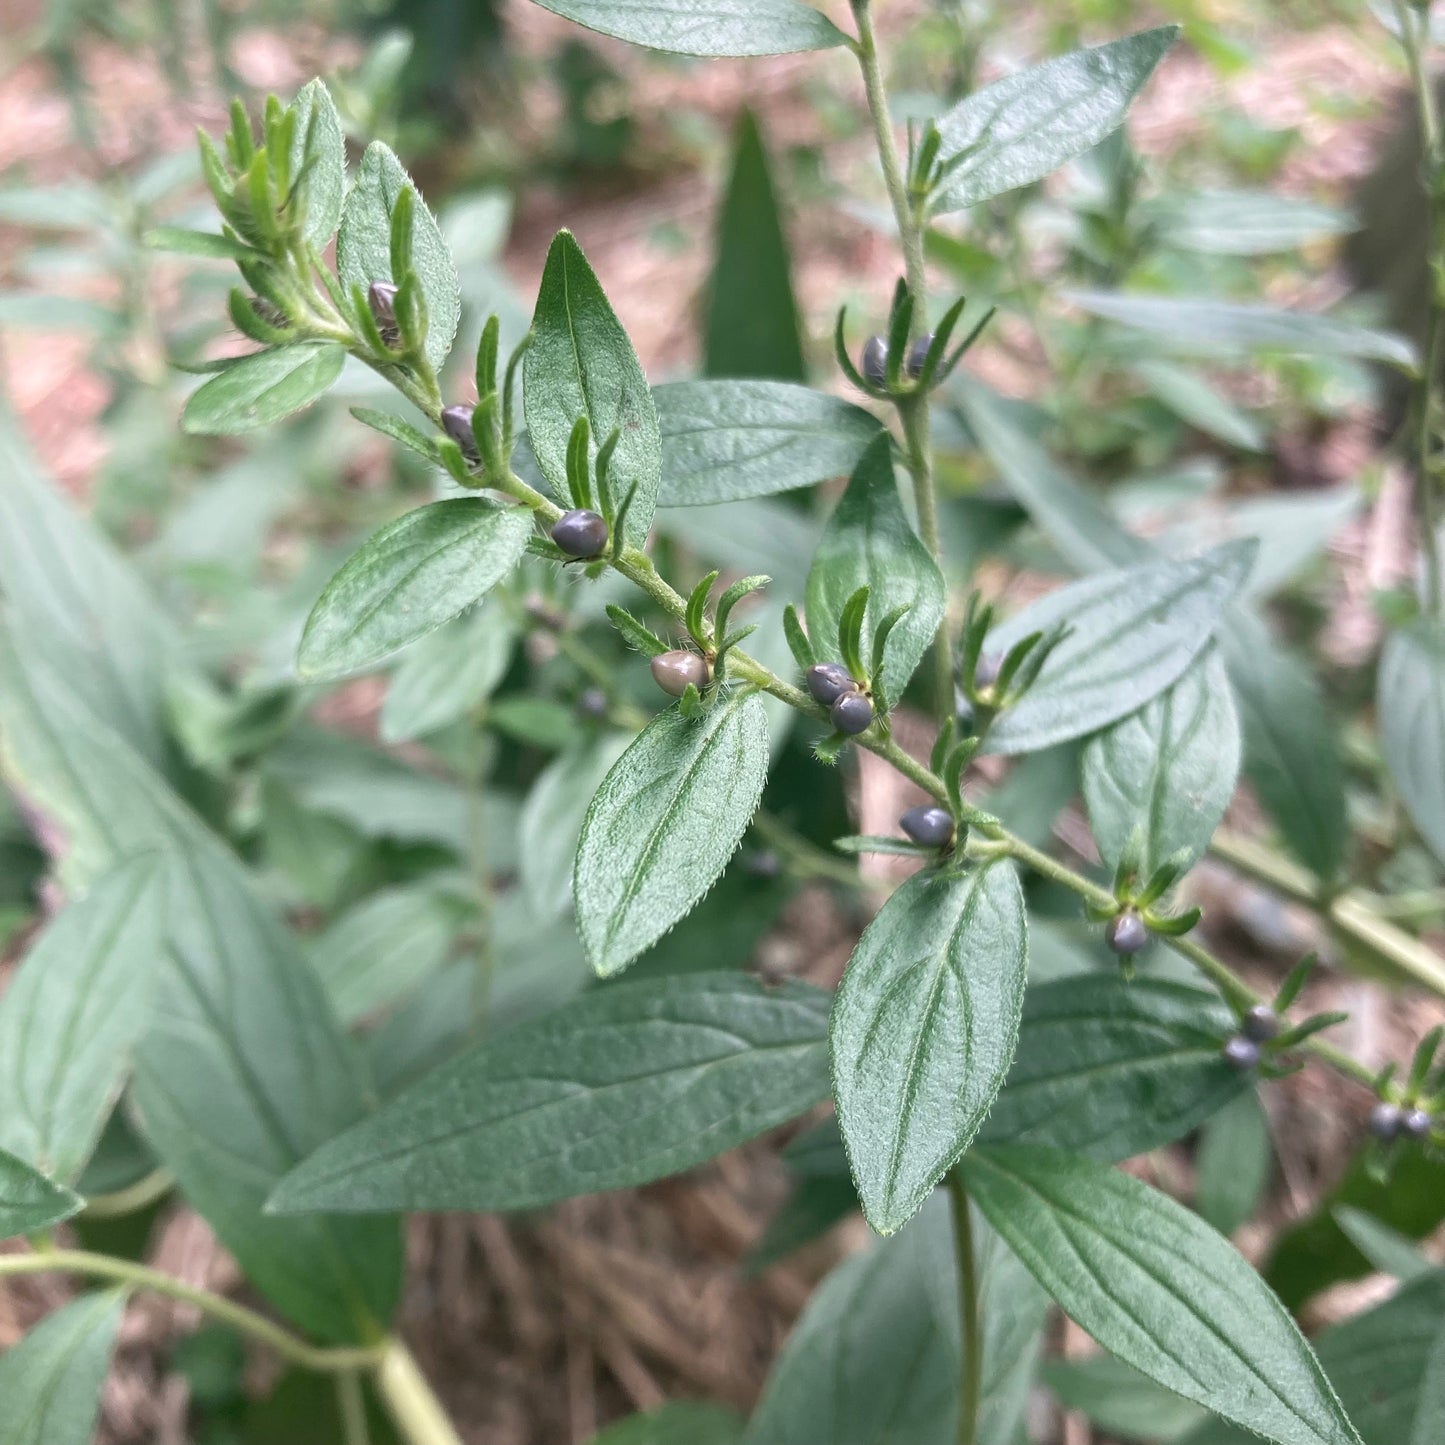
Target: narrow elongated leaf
{"points": [[1387, 1250], [1191, 327], [262, 388], [363, 245], [619, 1087], [71, 1015], [1192, 399], [29, 1201], [1017, 130], [407, 579], [1291, 752], [1111, 1069], [237, 1006], [447, 674], [551, 821], [706, 27], [1233, 1163], [1411, 705], [723, 441], [318, 161], [751, 327], [1167, 772], [923, 1031], [869, 542], [181, 242], [50, 1381], [1159, 1289], [581, 364], [664, 823], [1243, 223], [1132, 633]]}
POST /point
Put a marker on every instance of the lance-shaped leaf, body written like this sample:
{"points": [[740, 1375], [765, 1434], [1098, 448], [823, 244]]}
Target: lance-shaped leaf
{"points": [[1159, 1289], [71, 1015], [624, 1085], [1017, 130], [29, 1201], [707, 27], [363, 245], [51, 1380], [1112, 1069], [261, 389], [723, 441], [923, 1031], [1243, 223], [1131, 634], [408, 579], [1411, 705], [1166, 773], [869, 542], [581, 364], [318, 161], [664, 823]]}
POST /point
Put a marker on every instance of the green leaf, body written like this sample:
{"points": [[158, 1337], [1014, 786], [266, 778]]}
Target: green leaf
{"points": [[581, 364], [363, 245], [181, 242], [876, 1356], [1166, 772], [1019, 129], [447, 675], [1159, 1289], [664, 823], [262, 388], [1243, 223], [1119, 1400], [751, 328], [1291, 752], [923, 1031], [624, 1085], [869, 542], [71, 1016], [237, 1006], [1132, 634], [318, 161], [1387, 1250], [29, 1201], [407, 579], [1233, 1163], [723, 441], [675, 1422], [707, 27], [1411, 705], [51, 1380], [1197, 326], [552, 817], [1195, 401], [1111, 1069]]}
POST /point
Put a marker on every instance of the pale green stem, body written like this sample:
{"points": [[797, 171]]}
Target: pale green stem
{"points": [[407, 1395], [970, 1314], [351, 1405], [144, 1192]]}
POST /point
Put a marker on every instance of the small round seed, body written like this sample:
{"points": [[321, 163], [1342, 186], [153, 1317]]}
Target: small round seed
{"points": [[457, 424], [917, 356], [1126, 933], [674, 670], [1241, 1053], [764, 865], [1385, 1122], [580, 533], [1261, 1023], [851, 713], [828, 681], [593, 704], [1417, 1124], [873, 362], [928, 825]]}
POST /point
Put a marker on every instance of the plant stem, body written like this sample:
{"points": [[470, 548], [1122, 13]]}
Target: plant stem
{"points": [[415, 1409], [139, 1276], [145, 1191], [967, 1265], [351, 1404]]}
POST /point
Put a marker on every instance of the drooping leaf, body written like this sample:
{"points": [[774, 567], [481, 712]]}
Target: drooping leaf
{"points": [[1017, 130], [447, 674], [408, 579], [1243, 223], [621, 1086], [581, 364], [363, 245], [71, 1015], [1411, 704], [751, 328], [236, 1006], [1111, 1069], [664, 823], [29, 1201], [50, 1381], [723, 441], [1132, 633], [923, 1031], [1291, 752], [1160, 1290], [1233, 1163], [1191, 326], [870, 543], [707, 27], [261, 389], [1166, 773]]}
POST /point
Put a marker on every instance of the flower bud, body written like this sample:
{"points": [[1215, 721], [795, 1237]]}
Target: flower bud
{"points": [[851, 713], [1241, 1053], [828, 681], [1416, 1124], [457, 424], [874, 361], [593, 704], [674, 670], [381, 297], [1261, 1023], [1126, 933], [928, 824], [580, 533], [990, 664], [917, 357], [1385, 1122]]}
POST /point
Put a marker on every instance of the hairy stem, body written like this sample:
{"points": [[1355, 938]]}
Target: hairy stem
{"points": [[969, 1390]]}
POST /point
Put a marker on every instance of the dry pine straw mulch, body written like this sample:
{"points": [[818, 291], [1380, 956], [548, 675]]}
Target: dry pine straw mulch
{"points": [[542, 1328]]}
